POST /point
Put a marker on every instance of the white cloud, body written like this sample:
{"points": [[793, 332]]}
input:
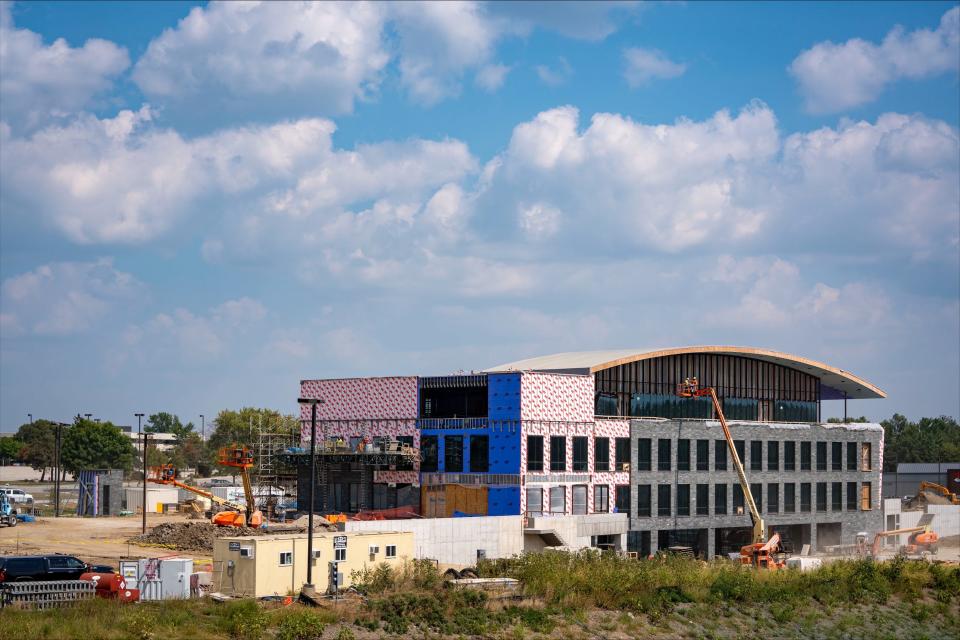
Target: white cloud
{"points": [[63, 298], [644, 65], [834, 77], [591, 21], [539, 220], [492, 76], [40, 83], [554, 77]]}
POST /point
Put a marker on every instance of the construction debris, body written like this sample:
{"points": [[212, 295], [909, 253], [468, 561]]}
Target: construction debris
{"points": [[191, 536]]}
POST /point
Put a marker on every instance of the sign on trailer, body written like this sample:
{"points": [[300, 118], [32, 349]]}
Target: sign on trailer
{"points": [[339, 542]]}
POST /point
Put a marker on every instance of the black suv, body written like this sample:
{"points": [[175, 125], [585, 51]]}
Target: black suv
{"points": [[52, 567]]}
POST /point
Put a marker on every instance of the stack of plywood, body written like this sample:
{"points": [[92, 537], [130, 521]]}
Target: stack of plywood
{"points": [[441, 501]]}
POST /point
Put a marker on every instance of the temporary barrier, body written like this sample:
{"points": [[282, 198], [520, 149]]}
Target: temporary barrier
{"points": [[45, 594]]}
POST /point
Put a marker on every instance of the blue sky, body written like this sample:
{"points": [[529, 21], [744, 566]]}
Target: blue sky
{"points": [[202, 204]]}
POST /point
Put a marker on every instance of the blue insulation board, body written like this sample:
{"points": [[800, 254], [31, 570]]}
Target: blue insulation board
{"points": [[503, 402]]}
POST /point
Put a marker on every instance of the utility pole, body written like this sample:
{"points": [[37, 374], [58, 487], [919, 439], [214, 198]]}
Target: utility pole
{"points": [[144, 505], [203, 428], [309, 589]]}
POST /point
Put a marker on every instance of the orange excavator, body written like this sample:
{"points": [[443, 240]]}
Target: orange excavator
{"points": [[233, 514], [761, 553], [939, 489]]}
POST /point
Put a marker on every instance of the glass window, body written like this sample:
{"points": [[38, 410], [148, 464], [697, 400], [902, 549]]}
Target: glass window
{"points": [[663, 454], [789, 497], [865, 499], [622, 454], [866, 459], [479, 454], [756, 490], [740, 446], [720, 499], [804, 456], [703, 499], [836, 496], [805, 496], [339, 555], [821, 456], [453, 454], [601, 498], [670, 406], [739, 506], [606, 405], [683, 455], [720, 455], [794, 411], [756, 455], [683, 499], [601, 454], [580, 444], [534, 501], [851, 496], [391, 551], [703, 455], [821, 496], [643, 454], [286, 558], [579, 499], [643, 500], [789, 455], [740, 408], [836, 456], [663, 499], [428, 453], [773, 455], [773, 497], [622, 498], [558, 453], [558, 500], [534, 453], [851, 456]]}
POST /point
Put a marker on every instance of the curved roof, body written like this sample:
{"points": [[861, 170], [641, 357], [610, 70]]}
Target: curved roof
{"points": [[593, 361]]}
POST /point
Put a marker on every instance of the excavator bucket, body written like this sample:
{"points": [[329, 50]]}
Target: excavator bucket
{"points": [[229, 519]]}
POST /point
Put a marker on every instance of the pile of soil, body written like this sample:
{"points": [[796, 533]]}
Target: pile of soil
{"points": [[191, 536]]}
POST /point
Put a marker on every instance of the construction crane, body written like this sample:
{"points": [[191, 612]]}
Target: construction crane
{"points": [[761, 553]]}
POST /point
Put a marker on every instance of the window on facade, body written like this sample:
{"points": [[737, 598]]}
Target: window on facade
{"points": [[601, 454], [391, 551], [622, 498], [836, 456], [683, 499], [821, 496], [794, 411], [703, 455], [643, 454], [756, 489], [643, 500], [580, 444], [805, 456], [663, 500], [805, 496], [479, 454], [558, 500], [558, 453], [739, 505], [789, 497], [339, 555], [756, 455], [579, 499], [534, 453], [773, 455], [534, 501], [621, 454], [286, 558], [836, 496], [789, 455], [683, 455], [605, 405], [720, 499], [773, 497], [405, 465], [865, 501], [741, 448], [866, 463], [740, 408], [720, 455], [428, 453], [453, 454], [703, 499], [663, 454], [821, 456], [851, 456], [601, 498], [851, 496]]}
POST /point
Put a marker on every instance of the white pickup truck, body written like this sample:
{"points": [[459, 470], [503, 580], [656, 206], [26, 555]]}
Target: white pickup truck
{"points": [[17, 495]]}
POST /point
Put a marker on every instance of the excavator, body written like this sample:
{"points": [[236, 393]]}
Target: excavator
{"points": [[233, 514], [933, 487], [762, 553]]}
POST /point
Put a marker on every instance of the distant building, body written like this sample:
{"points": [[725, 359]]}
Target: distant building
{"points": [[905, 481]]}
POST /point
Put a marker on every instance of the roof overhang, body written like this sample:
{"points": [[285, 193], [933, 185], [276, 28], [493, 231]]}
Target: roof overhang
{"points": [[836, 383]]}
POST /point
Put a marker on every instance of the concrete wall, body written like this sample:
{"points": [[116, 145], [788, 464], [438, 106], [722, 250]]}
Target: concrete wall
{"points": [[946, 518], [264, 575], [17, 473], [455, 541], [577, 532], [155, 496]]}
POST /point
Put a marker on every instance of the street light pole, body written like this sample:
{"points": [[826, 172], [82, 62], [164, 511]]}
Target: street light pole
{"points": [[30, 415], [144, 505], [308, 588], [203, 428]]}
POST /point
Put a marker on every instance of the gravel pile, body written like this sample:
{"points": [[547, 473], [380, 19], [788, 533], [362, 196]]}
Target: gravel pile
{"points": [[191, 536]]}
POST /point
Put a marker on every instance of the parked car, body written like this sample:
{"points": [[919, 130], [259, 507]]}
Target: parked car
{"points": [[48, 567], [218, 482], [17, 495]]}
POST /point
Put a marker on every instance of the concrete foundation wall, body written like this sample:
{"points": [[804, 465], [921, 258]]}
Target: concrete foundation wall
{"points": [[946, 518], [577, 532]]}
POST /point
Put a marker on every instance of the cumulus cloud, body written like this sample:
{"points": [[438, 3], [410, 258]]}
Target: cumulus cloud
{"points": [[834, 77], [63, 298], [491, 77], [554, 76], [40, 83], [645, 65]]}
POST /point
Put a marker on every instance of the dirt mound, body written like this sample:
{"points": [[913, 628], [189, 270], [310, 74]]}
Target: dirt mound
{"points": [[191, 536]]}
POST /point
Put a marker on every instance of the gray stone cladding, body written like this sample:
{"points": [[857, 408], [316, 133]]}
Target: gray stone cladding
{"points": [[851, 521]]}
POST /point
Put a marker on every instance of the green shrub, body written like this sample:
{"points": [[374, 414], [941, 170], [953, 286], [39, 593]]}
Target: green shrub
{"points": [[244, 620], [300, 625], [372, 581], [345, 633]]}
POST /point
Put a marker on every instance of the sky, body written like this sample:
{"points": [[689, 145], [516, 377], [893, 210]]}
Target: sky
{"points": [[202, 204]]}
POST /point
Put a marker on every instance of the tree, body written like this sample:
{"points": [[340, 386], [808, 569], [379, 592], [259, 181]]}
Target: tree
{"points": [[164, 422], [9, 449], [848, 420], [243, 427], [96, 445], [39, 439], [928, 440]]}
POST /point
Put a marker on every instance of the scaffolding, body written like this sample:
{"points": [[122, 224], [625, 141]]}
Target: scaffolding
{"points": [[271, 468]]}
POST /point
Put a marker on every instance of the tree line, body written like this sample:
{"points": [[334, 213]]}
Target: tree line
{"points": [[88, 444]]}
